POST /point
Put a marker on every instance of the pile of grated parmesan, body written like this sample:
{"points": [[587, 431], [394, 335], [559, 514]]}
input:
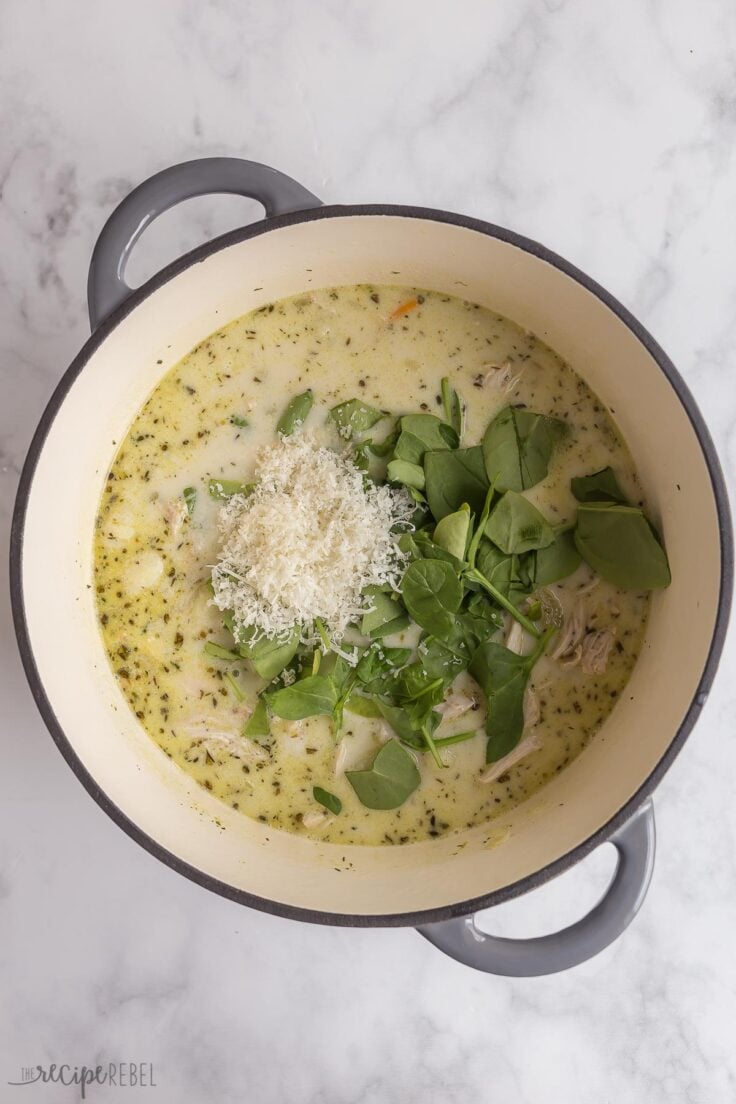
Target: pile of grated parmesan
{"points": [[306, 542]]}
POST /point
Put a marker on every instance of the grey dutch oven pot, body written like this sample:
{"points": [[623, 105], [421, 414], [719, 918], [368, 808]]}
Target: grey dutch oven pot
{"points": [[631, 831]]}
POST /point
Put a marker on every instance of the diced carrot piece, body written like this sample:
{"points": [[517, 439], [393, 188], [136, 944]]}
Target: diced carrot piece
{"points": [[403, 308]]}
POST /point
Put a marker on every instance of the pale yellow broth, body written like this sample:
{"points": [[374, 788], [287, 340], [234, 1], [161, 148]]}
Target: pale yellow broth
{"points": [[152, 563]]}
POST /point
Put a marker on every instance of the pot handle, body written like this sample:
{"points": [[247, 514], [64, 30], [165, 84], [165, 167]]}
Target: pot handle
{"points": [[106, 286], [548, 954]]}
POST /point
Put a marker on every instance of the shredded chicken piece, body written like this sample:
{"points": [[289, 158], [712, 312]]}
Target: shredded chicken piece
{"points": [[532, 712], [530, 743], [341, 757], [316, 820], [455, 705], [596, 649], [572, 634], [573, 658], [218, 740], [515, 638], [502, 376], [175, 510]]}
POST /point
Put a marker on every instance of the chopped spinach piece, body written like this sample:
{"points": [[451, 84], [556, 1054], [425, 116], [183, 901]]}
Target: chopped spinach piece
{"points": [[269, 657], [226, 488], [451, 533], [295, 413], [330, 801], [557, 561], [391, 779], [387, 615], [189, 495], [422, 433], [385, 447], [354, 416], [378, 666], [453, 406], [219, 652], [399, 721], [602, 486], [312, 696], [233, 684], [411, 475], [362, 706], [257, 727]]}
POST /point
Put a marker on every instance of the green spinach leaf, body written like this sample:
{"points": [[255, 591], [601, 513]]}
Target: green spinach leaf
{"points": [[458, 738], [453, 406], [478, 623], [398, 719], [269, 657], [360, 457], [402, 471], [421, 433], [354, 416], [432, 594], [378, 665], [189, 495], [557, 561], [257, 727], [475, 539], [387, 615], [454, 477], [515, 525], [602, 486], [442, 661], [619, 543], [504, 572], [517, 448], [312, 696], [451, 533], [385, 447], [338, 668], [295, 413], [362, 706], [426, 548], [503, 676], [328, 800], [414, 682], [226, 488], [219, 652], [391, 779]]}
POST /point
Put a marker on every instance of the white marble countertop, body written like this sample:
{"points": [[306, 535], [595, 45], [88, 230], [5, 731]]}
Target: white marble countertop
{"points": [[605, 130]]}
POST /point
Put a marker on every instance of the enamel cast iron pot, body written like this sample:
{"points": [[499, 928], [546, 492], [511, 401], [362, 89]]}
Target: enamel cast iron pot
{"points": [[603, 796]]}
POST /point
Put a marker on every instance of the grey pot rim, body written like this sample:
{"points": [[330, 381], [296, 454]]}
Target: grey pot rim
{"points": [[443, 912]]}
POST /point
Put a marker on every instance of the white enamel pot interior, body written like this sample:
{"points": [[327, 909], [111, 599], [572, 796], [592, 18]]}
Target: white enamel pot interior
{"points": [[77, 693]]}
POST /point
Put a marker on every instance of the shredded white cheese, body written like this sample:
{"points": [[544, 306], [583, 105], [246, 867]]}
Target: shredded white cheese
{"points": [[306, 542]]}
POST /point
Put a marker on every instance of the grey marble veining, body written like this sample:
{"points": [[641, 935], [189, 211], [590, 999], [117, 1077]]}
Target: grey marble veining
{"points": [[605, 130]]}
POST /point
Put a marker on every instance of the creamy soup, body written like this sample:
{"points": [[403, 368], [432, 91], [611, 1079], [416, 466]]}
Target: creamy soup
{"points": [[157, 539]]}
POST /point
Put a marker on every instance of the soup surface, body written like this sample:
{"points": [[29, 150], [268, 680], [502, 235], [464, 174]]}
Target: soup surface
{"points": [[155, 547]]}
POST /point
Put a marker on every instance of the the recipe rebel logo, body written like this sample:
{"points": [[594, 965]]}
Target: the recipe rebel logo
{"points": [[122, 1075]]}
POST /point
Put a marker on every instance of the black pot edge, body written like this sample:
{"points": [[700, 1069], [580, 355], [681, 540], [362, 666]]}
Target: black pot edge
{"points": [[495, 897]]}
